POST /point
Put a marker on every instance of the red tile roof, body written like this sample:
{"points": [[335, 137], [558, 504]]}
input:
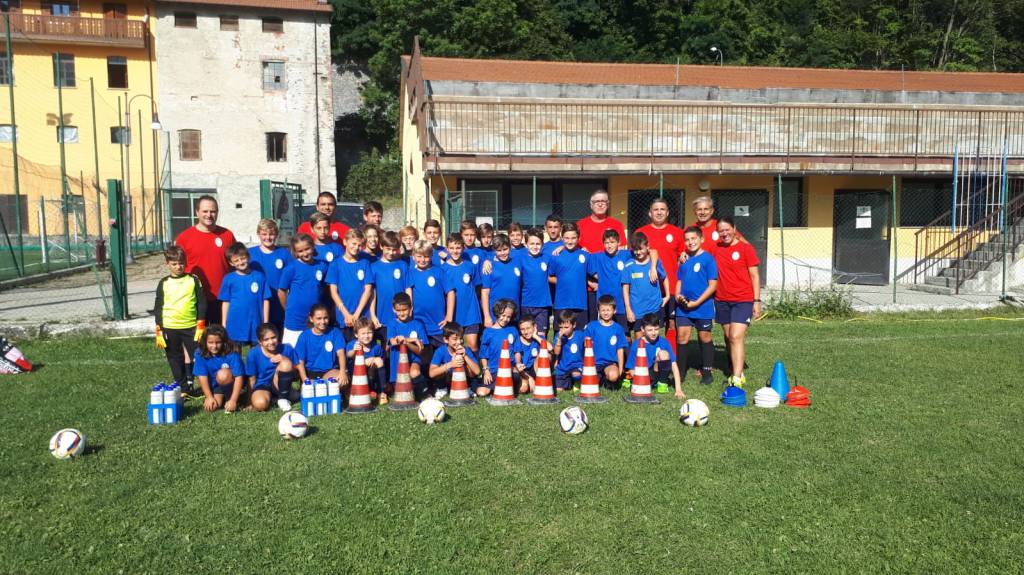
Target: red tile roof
{"points": [[729, 77], [301, 5]]}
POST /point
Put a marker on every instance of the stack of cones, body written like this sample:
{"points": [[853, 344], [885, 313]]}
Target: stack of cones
{"points": [[458, 394], [799, 397], [404, 397], [543, 384], [359, 399], [504, 389], [767, 397], [640, 388], [590, 385], [734, 396]]}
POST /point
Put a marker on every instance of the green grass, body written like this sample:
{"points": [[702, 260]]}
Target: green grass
{"points": [[910, 460]]}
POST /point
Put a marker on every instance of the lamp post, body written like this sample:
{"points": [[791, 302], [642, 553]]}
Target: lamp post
{"points": [[721, 57], [126, 142]]}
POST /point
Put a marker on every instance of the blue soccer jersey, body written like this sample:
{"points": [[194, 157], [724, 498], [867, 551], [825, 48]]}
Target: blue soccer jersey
{"points": [[428, 297], [570, 268], [374, 350], [350, 278], [536, 290], [443, 355], [438, 256], [412, 329], [550, 247], [319, 352], [572, 354], [491, 342], [259, 366], [608, 340], [209, 366], [661, 344], [272, 266], [608, 269], [505, 281], [694, 274], [527, 350], [245, 295], [304, 284], [329, 252], [644, 297], [461, 278], [389, 278]]}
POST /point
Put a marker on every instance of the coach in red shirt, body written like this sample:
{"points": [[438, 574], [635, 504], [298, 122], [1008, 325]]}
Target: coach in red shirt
{"points": [[593, 226], [326, 204], [704, 211], [667, 241], [738, 296], [205, 246]]}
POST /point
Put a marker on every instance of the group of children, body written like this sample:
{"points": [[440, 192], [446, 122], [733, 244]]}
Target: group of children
{"points": [[305, 312]]}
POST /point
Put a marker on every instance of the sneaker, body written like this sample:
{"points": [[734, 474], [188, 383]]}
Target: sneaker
{"points": [[383, 399], [706, 378], [575, 389], [626, 384], [188, 390], [662, 388], [743, 380], [735, 381], [440, 393], [284, 405]]}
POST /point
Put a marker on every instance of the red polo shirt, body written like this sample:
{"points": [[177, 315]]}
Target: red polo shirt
{"points": [[592, 232], [205, 255], [668, 241], [734, 263], [338, 231]]}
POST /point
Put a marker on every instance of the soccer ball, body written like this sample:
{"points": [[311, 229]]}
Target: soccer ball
{"points": [[67, 443], [292, 425], [694, 413], [431, 411], [573, 420]]}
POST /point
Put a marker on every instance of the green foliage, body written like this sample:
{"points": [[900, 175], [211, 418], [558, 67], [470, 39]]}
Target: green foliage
{"points": [[375, 177], [831, 302]]}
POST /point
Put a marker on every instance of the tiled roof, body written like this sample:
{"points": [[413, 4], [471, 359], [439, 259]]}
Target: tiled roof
{"points": [[728, 77], [301, 5]]}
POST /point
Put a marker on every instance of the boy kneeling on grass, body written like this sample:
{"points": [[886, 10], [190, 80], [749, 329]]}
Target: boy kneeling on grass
{"points": [[451, 355], [661, 360], [271, 370]]}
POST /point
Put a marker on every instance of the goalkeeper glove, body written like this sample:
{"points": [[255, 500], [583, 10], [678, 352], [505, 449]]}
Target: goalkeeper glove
{"points": [[161, 342], [200, 329]]}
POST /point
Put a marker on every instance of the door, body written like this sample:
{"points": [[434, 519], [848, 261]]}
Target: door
{"points": [[749, 209], [860, 245], [640, 205]]}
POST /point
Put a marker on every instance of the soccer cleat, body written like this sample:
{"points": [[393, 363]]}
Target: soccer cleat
{"points": [[626, 384], [743, 380], [284, 404], [440, 393], [662, 388], [706, 378], [383, 399]]}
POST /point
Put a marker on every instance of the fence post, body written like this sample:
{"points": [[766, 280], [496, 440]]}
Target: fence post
{"points": [[1003, 200], [14, 154], [895, 240], [534, 201], [95, 160], [782, 229], [118, 273], [42, 231]]}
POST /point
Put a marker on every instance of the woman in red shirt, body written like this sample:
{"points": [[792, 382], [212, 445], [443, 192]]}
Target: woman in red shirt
{"points": [[738, 297]]}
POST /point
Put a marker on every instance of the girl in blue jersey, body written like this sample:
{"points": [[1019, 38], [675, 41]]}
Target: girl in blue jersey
{"points": [[350, 283], [271, 370], [244, 296], [270, 259], [504, 280], [327, 250], [320, 351], [502, 331], [568, 272], [371, 243], [462, 305], [535, 297], [301, 287], [695, 308], [219, 369], [426, 288]]}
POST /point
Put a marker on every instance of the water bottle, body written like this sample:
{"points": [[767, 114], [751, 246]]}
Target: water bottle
{"points": [[334, 392], [307, 397], [321, 391], [156, 396], [169, 401]]}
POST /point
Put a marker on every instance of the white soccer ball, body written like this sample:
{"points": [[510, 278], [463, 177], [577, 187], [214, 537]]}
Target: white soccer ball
{"points": [[573, 420], [67, 443], [292, 425], [694, 413], [431, 411]]}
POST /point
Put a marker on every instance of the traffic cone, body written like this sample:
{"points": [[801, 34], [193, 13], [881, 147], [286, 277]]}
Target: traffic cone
{"points": [[543, 384], [359, 397], [458, 393], [404, 397], [640, 389], [504, 389], [590, 385], [11, 358], [779, 382]]}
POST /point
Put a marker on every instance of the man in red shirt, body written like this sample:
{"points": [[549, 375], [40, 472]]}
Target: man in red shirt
{"points": [[205, 246], [704, 209], [592, 227], [326, 204], [667, 242]]}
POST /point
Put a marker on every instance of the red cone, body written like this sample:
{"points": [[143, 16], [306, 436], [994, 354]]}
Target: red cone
{"points": [[404, 397], [458, 394], [504, 389], [543, 384], [640, 389], [359, 398], [590, 385]]}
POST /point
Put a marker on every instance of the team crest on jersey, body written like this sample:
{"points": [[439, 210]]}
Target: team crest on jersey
{"points": [[620, 265], [573, 348], [360, 275], [225, 366], [583, 259], [735, 256], [254, 287], [696, 267], [334, 235], [465, 278], [533, 352], [613, 340], [668, 238], [218, 242], [328, 346], [330, 258], [714, 236], [319, 275], [398, 274], [544, 266], [516, 271], [279, 263], [413, 335], [476, 259], [511, 338], [431, 281]]}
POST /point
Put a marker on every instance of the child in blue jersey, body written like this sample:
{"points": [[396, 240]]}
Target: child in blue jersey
{"points": [[451, 355], [301, 287], [607, 267], [244, 296], [695, 308], [389, 275], [373, 357], [640, 296], [426, 288], [462, 305], [569, 350], [218, 368], [371, 243], [320, 351], [270, 367], [486, 234], [553, 228], [502, 331], [661, 361], [470, 251], [517, 239], [568, 272], [535, 297], [270, 259], [404, 329], [524, 354], [610, 341], [504, 281], [327, 250], [350, 283], [432, 234]]}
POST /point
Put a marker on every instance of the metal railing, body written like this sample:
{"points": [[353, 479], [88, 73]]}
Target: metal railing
{"points": [[37, 27]]}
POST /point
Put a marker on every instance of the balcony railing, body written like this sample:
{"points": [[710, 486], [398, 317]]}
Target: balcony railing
{"points": [[78, 30]]}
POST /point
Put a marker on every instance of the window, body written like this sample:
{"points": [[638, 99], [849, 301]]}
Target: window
{"points": [[794, 204], [277, 147], [190, 145], [5, 70], [115, 11], [923, 200], [70, 134], [184, 19], [64, 70], [117, 72], [7, 133], [60, 8], [182, 207], [121, 135], [10, 5], [271, 24], [273, 76], [229, 22]]}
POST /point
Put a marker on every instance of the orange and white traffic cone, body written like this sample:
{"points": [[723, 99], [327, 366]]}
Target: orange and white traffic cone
{"points": [[640, 390], [359, 398], [504, 389], [543, 383], [404, 397], [458, 393], [590, 385]]}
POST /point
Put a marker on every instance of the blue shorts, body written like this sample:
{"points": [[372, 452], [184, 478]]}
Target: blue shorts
{"points": [[565, 380], [478, 382], [700, 324], [727, 312], [669, 311], [223, 390], [471, 329], [661, 317]]}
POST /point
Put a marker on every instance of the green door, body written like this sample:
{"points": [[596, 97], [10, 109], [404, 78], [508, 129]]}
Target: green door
{"points": [[749, 209], [860, 244]]}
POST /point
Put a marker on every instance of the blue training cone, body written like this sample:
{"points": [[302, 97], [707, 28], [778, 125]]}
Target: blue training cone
{"points": [[779, 382]]}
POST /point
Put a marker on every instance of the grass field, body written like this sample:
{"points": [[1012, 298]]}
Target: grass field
{"points": [[910, 460]]}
